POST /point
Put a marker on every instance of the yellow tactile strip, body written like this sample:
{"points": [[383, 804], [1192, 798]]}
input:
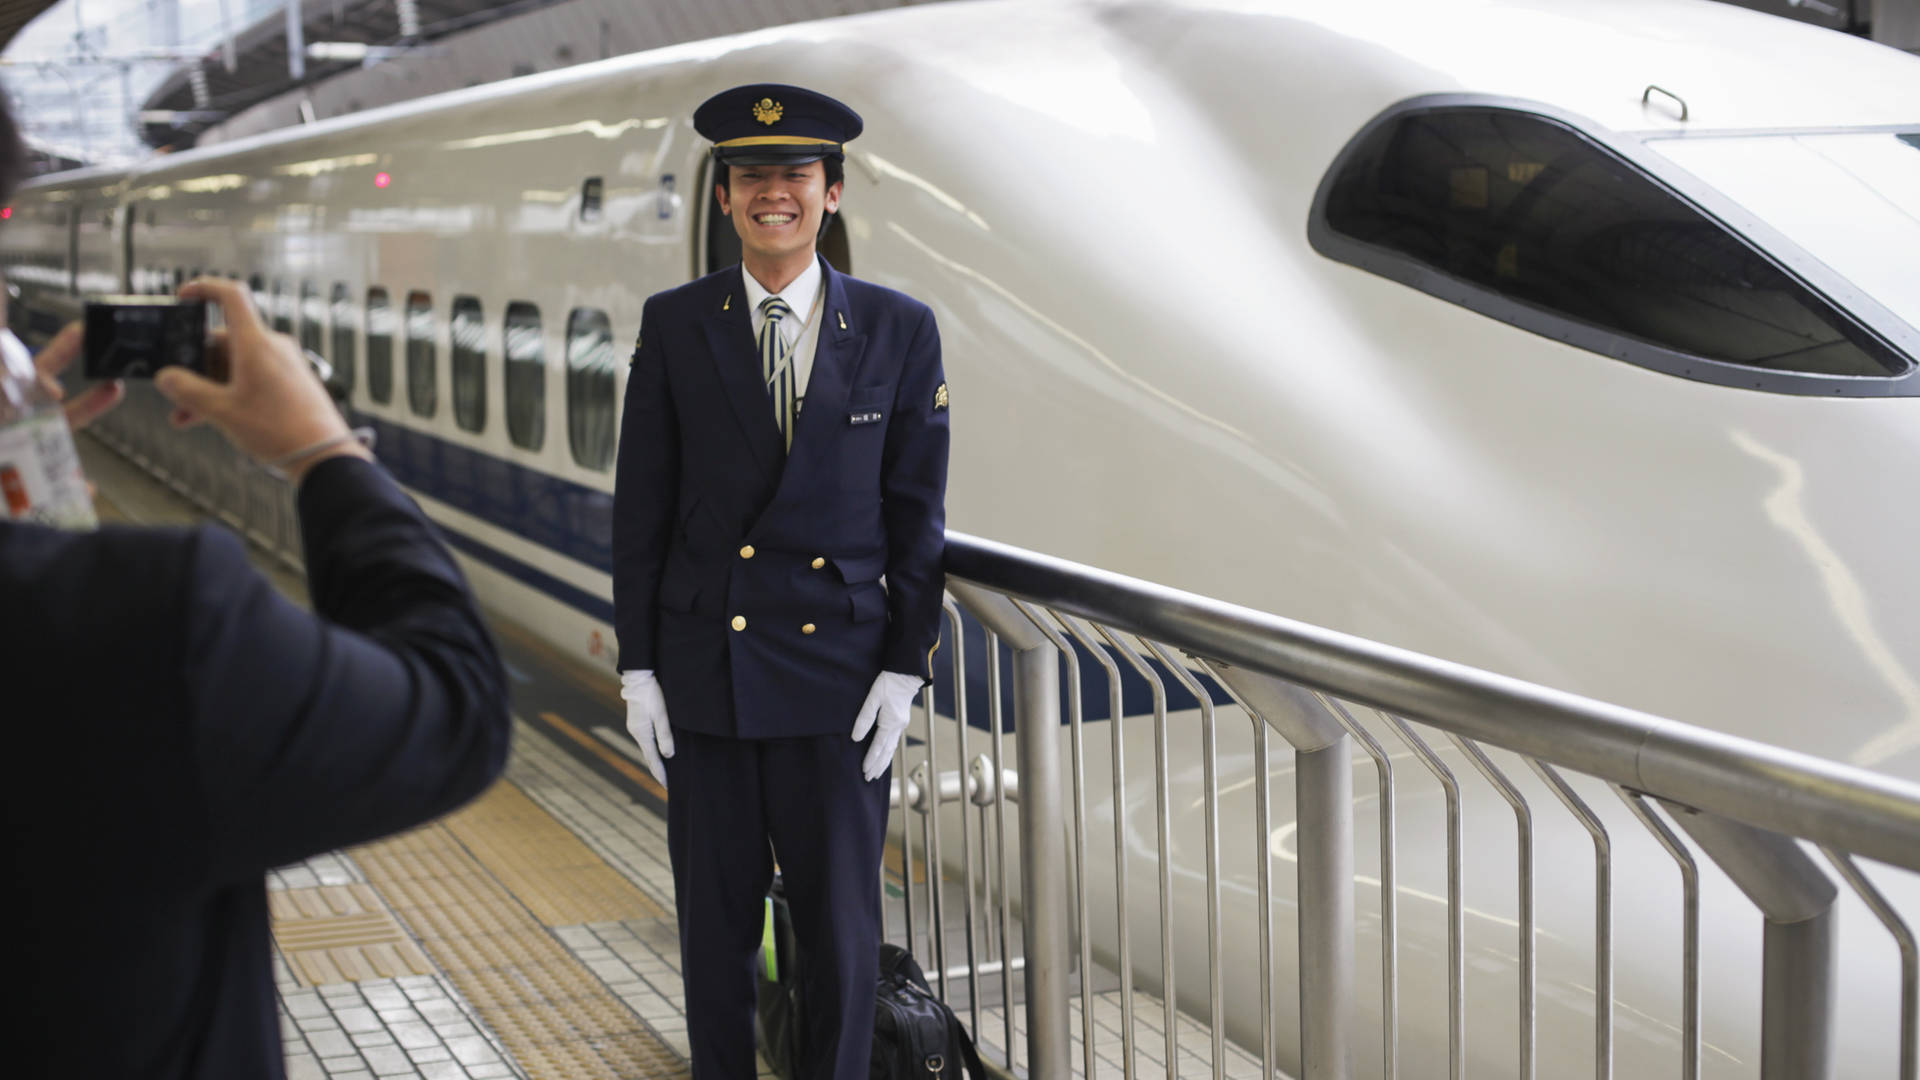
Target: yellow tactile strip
{"points": [[550, 1012], [546, 867], [342, 933]]}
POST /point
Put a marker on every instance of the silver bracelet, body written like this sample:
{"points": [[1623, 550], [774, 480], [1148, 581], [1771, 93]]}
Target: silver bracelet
{"points": [[363, 435]]}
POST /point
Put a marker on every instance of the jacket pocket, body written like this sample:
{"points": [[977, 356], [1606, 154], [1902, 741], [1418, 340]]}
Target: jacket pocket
{"points": [[855, 569]]}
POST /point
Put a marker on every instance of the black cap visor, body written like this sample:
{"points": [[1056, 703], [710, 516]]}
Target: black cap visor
{"points": [[775, 154]]}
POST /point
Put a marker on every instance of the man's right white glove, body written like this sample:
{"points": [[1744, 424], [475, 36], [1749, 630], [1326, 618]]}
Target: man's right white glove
{"points": [[647, 720]]}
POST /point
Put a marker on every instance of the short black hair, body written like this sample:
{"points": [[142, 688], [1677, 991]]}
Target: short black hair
{"points": [[836, 167], [14, 161]]}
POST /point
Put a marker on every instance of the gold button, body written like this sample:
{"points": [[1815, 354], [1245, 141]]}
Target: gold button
{"points": [[739, 622], [747, 552], [807, 629], [818, 563]]}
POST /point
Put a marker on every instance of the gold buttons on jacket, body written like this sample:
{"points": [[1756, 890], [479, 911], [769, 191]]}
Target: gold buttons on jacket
{"points": [[739, 622], [819, 562], [807, 629], [747, 552]]}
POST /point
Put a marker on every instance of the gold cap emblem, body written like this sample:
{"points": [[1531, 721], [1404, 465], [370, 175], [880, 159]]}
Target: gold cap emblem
{"points": [[940, 397], [768, 111]]}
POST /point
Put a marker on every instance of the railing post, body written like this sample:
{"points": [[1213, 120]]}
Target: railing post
{"points": [[1799, 952], [1044, 858], [1323, 803]]}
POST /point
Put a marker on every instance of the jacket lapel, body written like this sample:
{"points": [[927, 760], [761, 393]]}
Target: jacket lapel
{"points": [[836, 362], [735, 360]]}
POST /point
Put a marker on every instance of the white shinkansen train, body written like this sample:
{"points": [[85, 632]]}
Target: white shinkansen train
{"points": [[1574, 341]]}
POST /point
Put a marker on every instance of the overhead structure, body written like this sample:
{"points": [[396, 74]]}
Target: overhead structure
{"points": [[438, 45], [259, 67]]}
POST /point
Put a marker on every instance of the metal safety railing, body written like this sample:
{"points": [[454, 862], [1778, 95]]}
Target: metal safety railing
{"points": [[1746, 808], [997, 870]]}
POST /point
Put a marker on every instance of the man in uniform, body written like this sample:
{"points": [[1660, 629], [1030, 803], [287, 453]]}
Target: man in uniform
{"points": [[778, 527]]}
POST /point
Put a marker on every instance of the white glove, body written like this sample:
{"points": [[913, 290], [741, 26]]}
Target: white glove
{"points": [[647, 720], [890, 705]]}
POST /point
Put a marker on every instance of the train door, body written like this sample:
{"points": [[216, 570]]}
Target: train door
{"points": [[720, 247]]}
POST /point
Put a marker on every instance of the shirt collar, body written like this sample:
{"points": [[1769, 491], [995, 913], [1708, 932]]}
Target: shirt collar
{"points": [[799, 293]]}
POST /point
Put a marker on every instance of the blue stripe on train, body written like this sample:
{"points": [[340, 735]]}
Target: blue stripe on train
{"points": [[577, 521]]}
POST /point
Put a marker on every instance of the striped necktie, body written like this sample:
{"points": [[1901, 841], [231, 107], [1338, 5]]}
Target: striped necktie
{"points": [[776, 366]]}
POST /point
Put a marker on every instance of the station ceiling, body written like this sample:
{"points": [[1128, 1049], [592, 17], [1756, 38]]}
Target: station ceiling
{"points": [[260, 53]]}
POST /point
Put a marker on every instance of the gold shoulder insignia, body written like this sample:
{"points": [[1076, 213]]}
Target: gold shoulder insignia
{"points": [[767, 111], [940, 397]]}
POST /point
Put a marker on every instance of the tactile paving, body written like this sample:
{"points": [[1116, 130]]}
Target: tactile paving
{"points": [[549, 869], [456, 885], [342, 933]]}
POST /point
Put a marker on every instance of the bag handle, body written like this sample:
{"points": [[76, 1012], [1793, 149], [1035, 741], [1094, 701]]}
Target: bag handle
{"points": [[968, 1055]]}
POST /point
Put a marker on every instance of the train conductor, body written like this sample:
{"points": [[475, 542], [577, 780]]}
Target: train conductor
{"points": [[778, 527]]}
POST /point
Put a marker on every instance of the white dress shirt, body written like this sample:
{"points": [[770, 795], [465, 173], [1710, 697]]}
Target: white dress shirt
{"points": [[801, 295]]}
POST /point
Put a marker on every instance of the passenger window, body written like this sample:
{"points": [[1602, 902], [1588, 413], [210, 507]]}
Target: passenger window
{"points": [[423, 381], [1580, 243], [379, 346], [342, 321], [312, 314], [526, 377], [590, 379], [467, 331], [282, 322]]}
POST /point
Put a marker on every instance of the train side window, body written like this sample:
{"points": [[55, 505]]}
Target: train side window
{"points": [[1537, 224], [342, 325], [423, 380], [526, 377], [590, 195], [590, 381], [312, 315], [379, 346], [282, 321], [467, 330]]}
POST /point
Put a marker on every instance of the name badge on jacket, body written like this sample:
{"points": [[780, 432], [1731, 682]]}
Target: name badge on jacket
{"points": [[859, 418]]}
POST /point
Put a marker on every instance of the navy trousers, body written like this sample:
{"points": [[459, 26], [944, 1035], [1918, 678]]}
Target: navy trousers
{"points": [[733, 807]]}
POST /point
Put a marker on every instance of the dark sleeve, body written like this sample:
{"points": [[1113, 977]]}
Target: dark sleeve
{"points": [[913, 491], [384, 707], [645, 492]]}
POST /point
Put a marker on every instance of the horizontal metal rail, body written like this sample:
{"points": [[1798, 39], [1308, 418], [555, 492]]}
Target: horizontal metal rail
{"points": [[1780, 790]]}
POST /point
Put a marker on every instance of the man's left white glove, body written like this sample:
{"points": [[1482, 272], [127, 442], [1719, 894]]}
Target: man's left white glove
{"points": [[888, 707]]}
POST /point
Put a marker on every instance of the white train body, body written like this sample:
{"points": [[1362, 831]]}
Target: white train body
{"points": [[1108, 207]]}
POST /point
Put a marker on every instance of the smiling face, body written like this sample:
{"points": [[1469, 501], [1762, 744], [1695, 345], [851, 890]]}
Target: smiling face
{"points": [[777, 210]]}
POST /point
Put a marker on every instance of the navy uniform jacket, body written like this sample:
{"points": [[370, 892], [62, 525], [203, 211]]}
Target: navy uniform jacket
{"points": [[747, 578], [176, 727]]}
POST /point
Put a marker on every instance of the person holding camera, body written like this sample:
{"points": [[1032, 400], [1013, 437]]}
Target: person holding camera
{"points": [[178, 728]]}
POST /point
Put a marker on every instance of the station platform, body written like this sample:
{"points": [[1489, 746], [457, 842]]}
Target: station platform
{"points": [[530, 934]]}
